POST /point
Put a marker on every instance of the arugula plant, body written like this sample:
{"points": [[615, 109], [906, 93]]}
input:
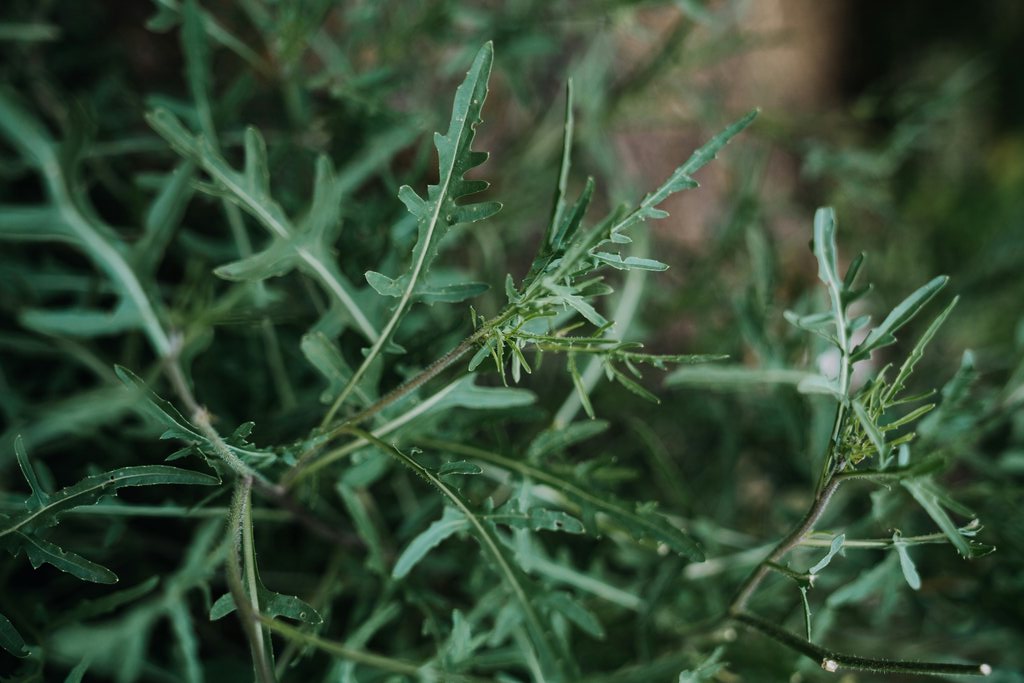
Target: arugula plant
{"points": [[409, 538]]}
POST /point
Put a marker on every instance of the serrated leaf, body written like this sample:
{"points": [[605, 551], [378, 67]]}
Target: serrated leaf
{"points": [[163, 413], [272, 604], [899, 316], [543, 519], [42, 552], [159, 410], [250, 190], [10, 639], [92, 488], [679, 180], [518, 583], [440, 210], [917, 353]]}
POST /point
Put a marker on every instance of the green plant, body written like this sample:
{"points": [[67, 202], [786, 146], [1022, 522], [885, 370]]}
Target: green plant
{"points": [[378, 434]]}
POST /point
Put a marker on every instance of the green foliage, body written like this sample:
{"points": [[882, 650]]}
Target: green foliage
{"points": [[220, 264]]}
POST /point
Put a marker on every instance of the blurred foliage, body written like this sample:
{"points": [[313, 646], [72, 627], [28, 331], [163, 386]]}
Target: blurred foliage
{"points": [[124, 244]]}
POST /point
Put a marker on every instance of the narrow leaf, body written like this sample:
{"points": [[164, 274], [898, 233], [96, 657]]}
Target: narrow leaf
{"points": [[451, 522], [900, 316], [10, 639], [837, 545], [906, 563]]}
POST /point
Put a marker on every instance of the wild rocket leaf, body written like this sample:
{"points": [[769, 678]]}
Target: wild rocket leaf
{"points": [[883, 335], [163, 413], [934, 502], [440, 210], [906, 563], [681, 179], [21, 531], [517, 582], [40, 552], [837, 545], [92, 488], [308, 246], [643, 522]]}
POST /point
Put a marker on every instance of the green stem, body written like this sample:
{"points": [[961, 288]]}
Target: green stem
{"points": [[793, 539], [428, 373], [833, 661], [241, 573]]}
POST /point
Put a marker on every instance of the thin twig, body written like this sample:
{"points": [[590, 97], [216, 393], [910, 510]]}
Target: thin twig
{"points": [[793, 539], [833, 661]]}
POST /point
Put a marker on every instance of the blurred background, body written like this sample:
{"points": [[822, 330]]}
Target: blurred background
{"points": [[907, 117]]}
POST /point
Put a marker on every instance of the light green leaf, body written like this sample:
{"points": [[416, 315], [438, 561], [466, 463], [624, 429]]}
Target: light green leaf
{"points": [[906, 563], [825, 249], [925, 494], [440, 211], [82, 322], [883, 335], [735, 377], [837, 545], [917, 353]]}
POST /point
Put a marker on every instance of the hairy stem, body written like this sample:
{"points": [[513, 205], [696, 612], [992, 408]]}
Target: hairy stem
{"points": [[833, 661], [242, 574], [792, 539]]}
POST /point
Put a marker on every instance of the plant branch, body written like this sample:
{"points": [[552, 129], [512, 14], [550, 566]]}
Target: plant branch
{"points": [[793, 539], [833, 661], [241, 572]]}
